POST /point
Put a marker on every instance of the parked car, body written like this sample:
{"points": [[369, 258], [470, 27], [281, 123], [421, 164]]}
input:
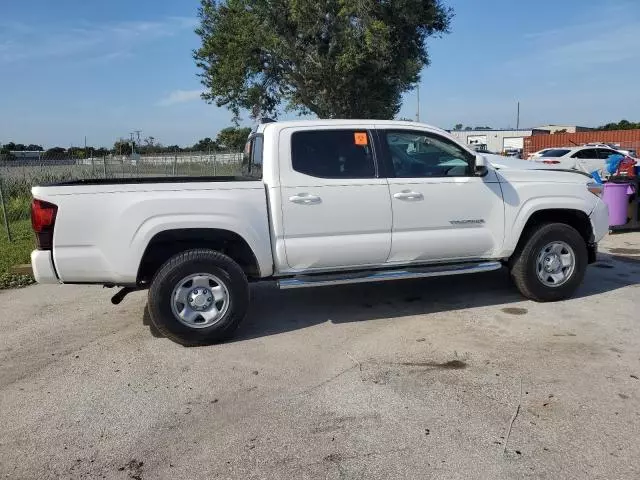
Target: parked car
{"points": [[321, 203], [628, 152], [584, 159]]}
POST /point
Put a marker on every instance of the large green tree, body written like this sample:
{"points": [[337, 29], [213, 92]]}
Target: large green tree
{"points": [[333, 58], [232, 139]]}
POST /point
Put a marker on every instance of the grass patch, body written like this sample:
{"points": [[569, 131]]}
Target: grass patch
{"points": [[15, 253]]}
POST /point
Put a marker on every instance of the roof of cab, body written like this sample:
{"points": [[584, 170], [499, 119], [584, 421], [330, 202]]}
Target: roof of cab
{"points": [[347, 123]]}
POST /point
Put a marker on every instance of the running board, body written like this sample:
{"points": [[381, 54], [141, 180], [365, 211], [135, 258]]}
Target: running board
{"points": [[323, 280]]}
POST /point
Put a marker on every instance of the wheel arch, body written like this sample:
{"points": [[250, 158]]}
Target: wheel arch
{"points": [[575, 218], [167, 243]]}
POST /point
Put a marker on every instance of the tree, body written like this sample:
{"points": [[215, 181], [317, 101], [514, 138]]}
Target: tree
{"points": [[563, 130], [76, 152], [122, 147], [458, 126], [34, 148], [621, 125], [205, 145], [99, 152], [55, 152], [467, 129], [232, 139], [482, 128], [346, 59]]}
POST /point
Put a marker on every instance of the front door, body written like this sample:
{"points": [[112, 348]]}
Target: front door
{"points": [[336, 210], [442, 211]]}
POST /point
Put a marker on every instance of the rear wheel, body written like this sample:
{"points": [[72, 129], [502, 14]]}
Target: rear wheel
{"points": [[551, 264], [198, 297]]}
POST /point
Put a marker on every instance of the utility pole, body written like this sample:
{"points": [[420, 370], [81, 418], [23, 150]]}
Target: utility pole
{"points": [[418, 108], [518, 118], [133, 147]]}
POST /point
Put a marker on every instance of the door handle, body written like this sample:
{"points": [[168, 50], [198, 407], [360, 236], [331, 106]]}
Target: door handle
{"points": [[409, 195], [305, 199]]}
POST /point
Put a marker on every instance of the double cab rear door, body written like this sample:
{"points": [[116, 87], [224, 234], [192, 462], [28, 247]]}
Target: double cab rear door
{"points": [[371, 196]]}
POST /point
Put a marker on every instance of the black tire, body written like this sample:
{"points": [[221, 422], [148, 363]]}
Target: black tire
{"points": [[524, 262], [193, 262]]}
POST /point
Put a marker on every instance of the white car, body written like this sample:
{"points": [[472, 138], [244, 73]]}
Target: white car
{"points": [[321, 203], [584, 159]]}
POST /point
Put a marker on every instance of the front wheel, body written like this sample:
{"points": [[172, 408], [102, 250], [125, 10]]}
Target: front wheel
{"points": [[198, 297], [551, 264]]}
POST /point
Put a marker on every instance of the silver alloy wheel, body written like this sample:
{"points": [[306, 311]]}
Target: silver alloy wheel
{"points": [[555, 264], [200, 300]]}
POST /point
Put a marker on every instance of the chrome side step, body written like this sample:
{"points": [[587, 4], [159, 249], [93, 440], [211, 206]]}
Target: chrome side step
{"points": [[324, 280]]}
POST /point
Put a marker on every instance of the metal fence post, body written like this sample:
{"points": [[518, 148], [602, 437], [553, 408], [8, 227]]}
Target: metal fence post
{"points": [[175, 164], [104, 166], [4, 213]]}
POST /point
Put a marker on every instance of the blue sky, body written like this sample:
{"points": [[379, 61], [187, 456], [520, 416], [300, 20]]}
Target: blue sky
{"points": [[72, 68]]}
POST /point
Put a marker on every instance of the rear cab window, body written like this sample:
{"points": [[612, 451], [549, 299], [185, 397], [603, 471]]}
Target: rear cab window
{"points": [[252, 156]]}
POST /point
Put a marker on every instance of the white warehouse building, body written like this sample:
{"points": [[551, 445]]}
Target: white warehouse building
{"points": [[496, 140]]}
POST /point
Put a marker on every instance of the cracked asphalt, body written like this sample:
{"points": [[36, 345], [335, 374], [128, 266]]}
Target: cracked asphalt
{"points": [[415, 379]]}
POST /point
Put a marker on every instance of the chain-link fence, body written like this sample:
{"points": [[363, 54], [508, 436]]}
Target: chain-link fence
{"points": [[18, 175]]}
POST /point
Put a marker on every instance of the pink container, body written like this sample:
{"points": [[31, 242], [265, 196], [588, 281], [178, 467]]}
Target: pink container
{"points": [[616, 196]]}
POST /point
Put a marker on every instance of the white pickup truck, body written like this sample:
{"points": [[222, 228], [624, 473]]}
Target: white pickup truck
{"points": [[320, 203]]}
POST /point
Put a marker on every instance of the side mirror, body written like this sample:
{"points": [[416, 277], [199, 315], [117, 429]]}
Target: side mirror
{"points": [[481, 166]]}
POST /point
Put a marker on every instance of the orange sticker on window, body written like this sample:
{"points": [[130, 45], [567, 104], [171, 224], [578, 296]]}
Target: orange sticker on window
{"points": [[361, 138]]}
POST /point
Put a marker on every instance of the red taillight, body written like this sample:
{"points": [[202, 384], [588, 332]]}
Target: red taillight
{"points": [[551, 162], [43, 219]]}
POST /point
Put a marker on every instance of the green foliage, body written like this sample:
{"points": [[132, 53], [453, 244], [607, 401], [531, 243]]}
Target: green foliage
{"points": [[232, 139], [621, 125], [333, 58], [122, 147], [15, 253], [205, 145], [458, 126]]}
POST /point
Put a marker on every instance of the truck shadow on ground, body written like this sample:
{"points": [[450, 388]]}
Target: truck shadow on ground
{"points": [[274, 311]]}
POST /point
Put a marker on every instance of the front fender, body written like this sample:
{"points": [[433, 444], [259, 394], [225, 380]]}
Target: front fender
{"points": [[517, 219]]}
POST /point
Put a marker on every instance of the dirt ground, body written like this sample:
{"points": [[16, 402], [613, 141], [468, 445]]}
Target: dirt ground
{"points": [[415, 379]]}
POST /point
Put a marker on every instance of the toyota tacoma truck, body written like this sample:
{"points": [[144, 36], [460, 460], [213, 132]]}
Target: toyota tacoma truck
{"points": [[319, 203]]}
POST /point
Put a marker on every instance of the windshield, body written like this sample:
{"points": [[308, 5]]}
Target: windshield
{"points": [[560, 152]]}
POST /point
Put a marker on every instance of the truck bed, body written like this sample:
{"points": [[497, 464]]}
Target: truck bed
{"points": [[103, 227]]}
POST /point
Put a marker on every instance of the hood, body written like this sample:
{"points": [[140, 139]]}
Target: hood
{"points": [[515, 170], [499, 162]]}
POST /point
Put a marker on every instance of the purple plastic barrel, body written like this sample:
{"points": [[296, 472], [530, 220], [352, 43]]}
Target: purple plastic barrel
{"points": [[616, 198]]}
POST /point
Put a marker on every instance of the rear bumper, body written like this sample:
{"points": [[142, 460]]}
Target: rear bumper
{"points": [[42, 266]]}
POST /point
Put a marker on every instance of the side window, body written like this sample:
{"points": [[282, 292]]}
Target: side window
{"points": [[333, 153], [586, 153], [604, 153], [420, 154]]}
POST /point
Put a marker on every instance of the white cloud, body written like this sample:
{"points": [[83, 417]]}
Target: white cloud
{"points": [[19, 43], [604, 36], [180, 96]]}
